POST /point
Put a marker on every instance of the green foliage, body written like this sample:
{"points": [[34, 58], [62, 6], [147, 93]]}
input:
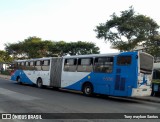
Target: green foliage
{"points": [[126, 31], [6, 72], [75, 48], [34, 47], [5, 57], [153, 46]]}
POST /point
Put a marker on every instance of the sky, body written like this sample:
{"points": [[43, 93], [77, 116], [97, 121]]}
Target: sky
{"points": [[67, 20]]}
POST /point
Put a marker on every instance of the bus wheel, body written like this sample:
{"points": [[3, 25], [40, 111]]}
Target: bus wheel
{"points": [[19, 80], [87, 89], [39, 83]]}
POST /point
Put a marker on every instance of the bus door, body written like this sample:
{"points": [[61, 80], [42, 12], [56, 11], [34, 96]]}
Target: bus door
{"points": [[124, 75]]}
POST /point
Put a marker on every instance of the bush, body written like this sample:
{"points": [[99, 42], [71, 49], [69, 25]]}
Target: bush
{"points": [[5, 72]]}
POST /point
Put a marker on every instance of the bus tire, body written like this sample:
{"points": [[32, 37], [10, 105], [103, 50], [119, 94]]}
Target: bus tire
{"points": [[19, 80], [87, 89], [39, 83]]}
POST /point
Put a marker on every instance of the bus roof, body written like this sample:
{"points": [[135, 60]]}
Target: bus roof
{"points": [[91, 55], [78, 56], [45, 58]]}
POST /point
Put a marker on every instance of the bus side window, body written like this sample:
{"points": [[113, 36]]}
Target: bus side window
{"points": [[23, 65], [85, 65], [31, 65], [27, 65], [103, 64], [70, 65], [38, 65], [45, 65], [19, 65]]}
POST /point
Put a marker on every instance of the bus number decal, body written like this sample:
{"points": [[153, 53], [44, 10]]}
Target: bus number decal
{"points": [[108, 78]]}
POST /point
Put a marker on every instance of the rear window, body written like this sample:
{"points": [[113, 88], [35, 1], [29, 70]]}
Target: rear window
{"points": [[146, 63]]}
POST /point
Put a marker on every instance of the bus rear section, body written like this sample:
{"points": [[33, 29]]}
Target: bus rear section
{"points": [[133, 74], [126, 74], [145, 72]]}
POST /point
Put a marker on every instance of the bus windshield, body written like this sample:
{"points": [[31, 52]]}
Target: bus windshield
{"points": [[146, 63]]}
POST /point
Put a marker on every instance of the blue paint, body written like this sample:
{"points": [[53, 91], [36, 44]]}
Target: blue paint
{"points": [[23, 77], [144, 80]]}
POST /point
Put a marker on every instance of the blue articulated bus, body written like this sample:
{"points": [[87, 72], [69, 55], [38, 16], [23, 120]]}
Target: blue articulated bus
{"points": [[126, 74]]}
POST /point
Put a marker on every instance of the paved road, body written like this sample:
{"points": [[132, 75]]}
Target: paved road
{"points": [[15, 98]]}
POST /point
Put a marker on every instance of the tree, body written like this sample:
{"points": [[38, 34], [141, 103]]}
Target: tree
{"points": [[74, 48], [5, 57], [82, 48], [14, 49], [153, 46], [128, 30], [59, 48], [34, 47]]}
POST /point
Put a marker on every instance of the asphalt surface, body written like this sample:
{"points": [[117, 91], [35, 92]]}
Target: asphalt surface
{"points": [[15, 98]]}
